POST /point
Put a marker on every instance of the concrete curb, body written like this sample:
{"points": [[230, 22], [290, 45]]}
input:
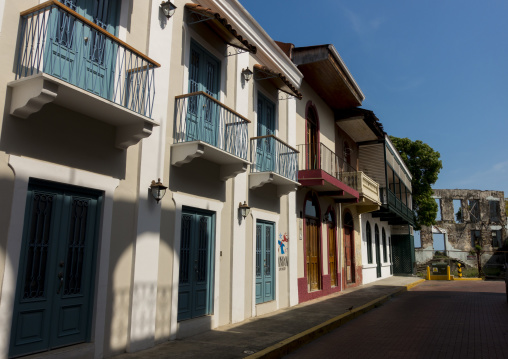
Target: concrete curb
{"points": [[296, 341]]}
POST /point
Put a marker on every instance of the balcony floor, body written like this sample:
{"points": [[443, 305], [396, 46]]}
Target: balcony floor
{"points": [[230, 165], [30, 94], [327, 185], [284, 185]]}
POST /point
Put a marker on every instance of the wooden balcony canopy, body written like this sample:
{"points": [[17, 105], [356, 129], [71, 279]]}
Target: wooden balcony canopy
{"points": [[221, 26], [362, 125], [324, 70], [278, 80]]}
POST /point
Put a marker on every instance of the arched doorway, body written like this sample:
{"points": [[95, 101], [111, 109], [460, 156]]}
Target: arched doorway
{"points": [[349, 248], [312, 139], [313, 242], [332, 245]]}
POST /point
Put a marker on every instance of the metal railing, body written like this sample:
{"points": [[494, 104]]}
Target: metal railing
{"points": [[200, 117], [326, 160], [270, 154], [56, 40], [388, 197]]}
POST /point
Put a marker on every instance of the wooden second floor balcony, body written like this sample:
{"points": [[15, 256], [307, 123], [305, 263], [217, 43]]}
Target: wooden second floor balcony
{"points": [[206, 128], [368, 189], [66, 59], [394, 210], [273, 162], [328, 174]]}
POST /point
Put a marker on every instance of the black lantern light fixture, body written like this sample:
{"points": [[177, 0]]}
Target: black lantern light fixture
{"points": [[168, 8], [158, 190], [244, 209], [247, 74]]}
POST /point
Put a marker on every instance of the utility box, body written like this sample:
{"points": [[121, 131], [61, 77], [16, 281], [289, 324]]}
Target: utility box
{"points": [[438, 269]]}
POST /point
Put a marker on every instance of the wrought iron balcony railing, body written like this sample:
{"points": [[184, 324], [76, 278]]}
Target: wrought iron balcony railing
{"points": [[269, 154], [200, 117], [388, 197], [326, 160], [56, 40]]}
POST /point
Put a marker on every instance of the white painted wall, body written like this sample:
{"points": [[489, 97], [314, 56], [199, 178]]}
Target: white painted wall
{"points": [[144, 281], [369, 271], [240, 194], [24, 168]]}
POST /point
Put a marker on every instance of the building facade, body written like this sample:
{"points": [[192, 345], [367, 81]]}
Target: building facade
{"points": [[466, 219], [388, 244], [333, 193], [90, 120], [110, 101]]}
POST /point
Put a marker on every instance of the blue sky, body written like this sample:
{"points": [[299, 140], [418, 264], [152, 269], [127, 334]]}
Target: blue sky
{"points": [[435, 71]]}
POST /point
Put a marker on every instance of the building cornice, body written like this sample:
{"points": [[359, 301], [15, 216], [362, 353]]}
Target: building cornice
{"points": [[268, 52]]}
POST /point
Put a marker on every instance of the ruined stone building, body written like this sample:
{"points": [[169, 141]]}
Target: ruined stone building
{"points": [[466, 218]]}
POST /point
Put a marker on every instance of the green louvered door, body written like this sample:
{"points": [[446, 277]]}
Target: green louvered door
{"points": [[265, 261], [195, 289], [203, 115], [78, 54], [56, 273], [265, 150]]}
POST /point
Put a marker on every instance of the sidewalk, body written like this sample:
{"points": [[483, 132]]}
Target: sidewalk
{"points": [[278, 333]]}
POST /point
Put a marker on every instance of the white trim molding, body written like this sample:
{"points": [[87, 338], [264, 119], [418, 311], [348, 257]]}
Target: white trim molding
{"points": [[24, 169], [269, 217], [207, 204]]}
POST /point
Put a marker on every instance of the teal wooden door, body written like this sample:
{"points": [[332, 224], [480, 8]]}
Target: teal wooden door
{"points": [[55, 279], [79, 55], [378, 254], [195, 288], [265, 151], [203, 114], [265, 261]]}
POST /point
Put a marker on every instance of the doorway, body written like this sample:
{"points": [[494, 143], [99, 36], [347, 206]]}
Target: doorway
{"points": [[54, 294], [313, 243], [265, 261], [195, 286], [349, 248]]}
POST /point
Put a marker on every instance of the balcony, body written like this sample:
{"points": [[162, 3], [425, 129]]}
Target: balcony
{"points": [[206, 128], [393, 209], [273, 162], [328, 174], [67, 60], [368, 189]]}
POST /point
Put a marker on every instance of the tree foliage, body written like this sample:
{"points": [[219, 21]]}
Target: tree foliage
{"points": [[424, 164]]}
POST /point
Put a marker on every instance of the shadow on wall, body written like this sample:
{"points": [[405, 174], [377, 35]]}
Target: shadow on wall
{"points": [[66, 137], [120, 289], [6, 193]]}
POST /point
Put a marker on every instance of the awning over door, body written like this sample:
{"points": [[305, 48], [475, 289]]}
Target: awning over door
{"points": [[278, 80], [221, 26]]}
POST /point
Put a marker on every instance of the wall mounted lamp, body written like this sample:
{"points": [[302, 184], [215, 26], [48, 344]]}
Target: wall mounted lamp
{"points": [[247, 74], [158, 190], [244, 209], [168, 8]]}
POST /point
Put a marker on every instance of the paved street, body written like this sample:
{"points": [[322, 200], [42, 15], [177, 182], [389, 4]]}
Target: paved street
{"points": [[437, 319]]}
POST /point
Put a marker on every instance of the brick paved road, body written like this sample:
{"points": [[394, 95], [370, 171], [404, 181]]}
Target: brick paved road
{"points": [[437, 319]]}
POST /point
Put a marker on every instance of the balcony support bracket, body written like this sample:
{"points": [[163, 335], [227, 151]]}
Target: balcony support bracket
{"points": [[183, 154], [28, 97], [284, 185], [283, 190], [230, 171], [129, 135], [257, 180], [30, 94]]}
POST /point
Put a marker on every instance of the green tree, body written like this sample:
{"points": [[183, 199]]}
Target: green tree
{"points": [[424, 164]]}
